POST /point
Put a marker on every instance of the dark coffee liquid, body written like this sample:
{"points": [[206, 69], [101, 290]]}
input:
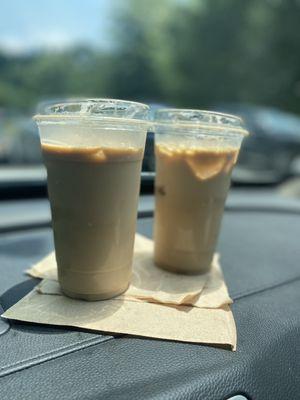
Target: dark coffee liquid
{"points": [[191, 189], [94, 196]]}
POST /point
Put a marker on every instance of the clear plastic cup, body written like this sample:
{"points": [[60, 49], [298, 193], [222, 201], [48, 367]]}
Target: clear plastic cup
{"points": [[195, 153], [93, 152]]}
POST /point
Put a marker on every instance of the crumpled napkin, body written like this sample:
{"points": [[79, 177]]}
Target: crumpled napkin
{"points": [[156, 285]]}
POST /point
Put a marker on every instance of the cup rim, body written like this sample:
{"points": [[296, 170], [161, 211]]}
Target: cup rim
{"points": [[196, 119], [92, 109]]}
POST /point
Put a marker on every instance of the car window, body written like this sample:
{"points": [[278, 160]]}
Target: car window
{"points": [[227, 56]]}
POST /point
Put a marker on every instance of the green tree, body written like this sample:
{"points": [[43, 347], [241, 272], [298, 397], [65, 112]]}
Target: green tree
{"points": [[134, 70], [200, 53], [25, 80]]}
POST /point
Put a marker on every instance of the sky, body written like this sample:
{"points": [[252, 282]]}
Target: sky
{"points": [[29, 25]]}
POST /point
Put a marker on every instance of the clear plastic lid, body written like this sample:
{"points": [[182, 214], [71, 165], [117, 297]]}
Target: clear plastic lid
{"points": [[183, 119], [92, 109], [93, 122]]}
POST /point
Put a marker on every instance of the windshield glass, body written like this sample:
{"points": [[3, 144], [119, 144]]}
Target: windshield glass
{"points": [[229, 56]]}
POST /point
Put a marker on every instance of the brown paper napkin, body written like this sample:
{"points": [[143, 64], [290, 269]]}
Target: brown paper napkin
{"points": [[155, 285], [180, 323], [155, 304], [214, 294]]}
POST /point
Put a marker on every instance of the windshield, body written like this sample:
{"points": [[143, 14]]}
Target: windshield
{"points": [[228, 56]]}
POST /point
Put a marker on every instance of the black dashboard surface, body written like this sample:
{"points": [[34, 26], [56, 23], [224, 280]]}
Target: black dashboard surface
{"points": [[260, 255]]}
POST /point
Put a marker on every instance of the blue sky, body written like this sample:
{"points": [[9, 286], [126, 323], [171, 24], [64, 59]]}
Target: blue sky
{"points": [[28, 25]]}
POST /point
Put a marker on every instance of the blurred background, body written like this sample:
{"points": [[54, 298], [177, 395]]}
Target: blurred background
{"points": [[235, 56]]}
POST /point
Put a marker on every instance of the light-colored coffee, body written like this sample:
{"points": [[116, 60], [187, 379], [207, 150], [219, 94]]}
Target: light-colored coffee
{"points": [[190, 193], [93, 193]]}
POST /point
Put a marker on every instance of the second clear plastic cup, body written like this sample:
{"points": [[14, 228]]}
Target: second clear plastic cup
{"points": [[195, 154], [93, 152]]}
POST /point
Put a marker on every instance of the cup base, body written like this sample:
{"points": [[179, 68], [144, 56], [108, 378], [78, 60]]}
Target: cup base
{"points": [[93, 296], [183, 271]]}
